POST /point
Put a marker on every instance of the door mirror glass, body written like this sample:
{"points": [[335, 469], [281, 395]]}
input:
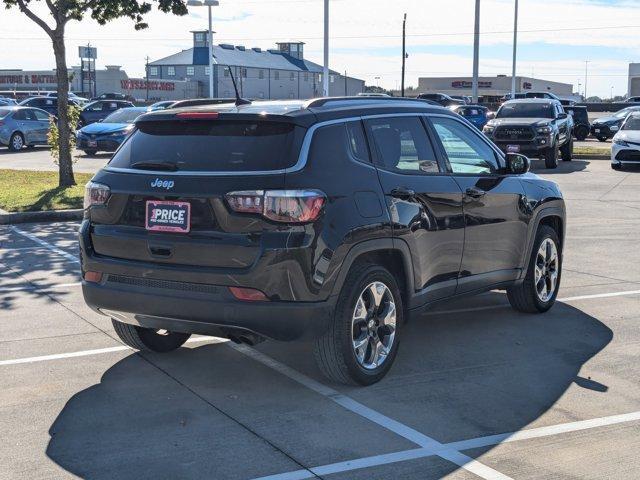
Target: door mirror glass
{"points": [[517, 164], [562, 116]]}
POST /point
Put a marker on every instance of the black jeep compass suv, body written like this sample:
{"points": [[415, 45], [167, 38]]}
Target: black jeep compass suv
{"points": [[334, 219]]}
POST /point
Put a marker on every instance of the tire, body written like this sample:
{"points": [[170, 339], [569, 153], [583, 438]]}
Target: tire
{"points": [[335, 351], [602, 139], [91, 153], [581, 133], [567, 150], [525, 297], [16, 142], [551, 156], [148, 339]]}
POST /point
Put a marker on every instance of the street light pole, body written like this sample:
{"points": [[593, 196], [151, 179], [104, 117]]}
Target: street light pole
{"points": [[476, 53], [325, 69], [209, 4], [586, 74], [210, 53], [515, 43], [404, 50]]}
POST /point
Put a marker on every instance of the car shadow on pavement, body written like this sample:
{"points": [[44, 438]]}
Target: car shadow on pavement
{"points": [[574, 165], [457, 376]]}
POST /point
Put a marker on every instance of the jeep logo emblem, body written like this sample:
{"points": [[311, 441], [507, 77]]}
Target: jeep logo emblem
{"points": [[166, 184]]}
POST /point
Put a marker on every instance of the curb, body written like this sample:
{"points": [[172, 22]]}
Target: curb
{"points": [[46, 216], [591, 156]]}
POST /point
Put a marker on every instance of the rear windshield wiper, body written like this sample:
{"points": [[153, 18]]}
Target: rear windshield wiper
{"points": [[170, 167]]}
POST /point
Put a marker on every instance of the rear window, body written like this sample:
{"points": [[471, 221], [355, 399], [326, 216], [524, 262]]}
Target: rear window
{"points": [[223, 146], [4, 112]]}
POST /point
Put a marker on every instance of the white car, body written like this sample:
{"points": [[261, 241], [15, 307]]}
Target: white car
{"points": [[625, 148]]}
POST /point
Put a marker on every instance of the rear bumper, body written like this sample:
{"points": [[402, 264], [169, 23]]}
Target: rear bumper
{"points": [[213, 313]]}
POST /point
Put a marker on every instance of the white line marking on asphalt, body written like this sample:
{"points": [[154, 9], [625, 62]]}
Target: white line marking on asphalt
{"points": [[39, 288], [562, 299], [46, 245], [98, 351], [388, 458], [20, 249], [394, 426]]}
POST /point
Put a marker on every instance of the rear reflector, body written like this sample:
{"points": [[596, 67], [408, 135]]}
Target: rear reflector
{"points": [[197, 115], [248, 294], [93, 277]]}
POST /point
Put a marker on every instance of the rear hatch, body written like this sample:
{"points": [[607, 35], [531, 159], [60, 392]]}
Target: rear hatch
{"points": [[179, 169]]}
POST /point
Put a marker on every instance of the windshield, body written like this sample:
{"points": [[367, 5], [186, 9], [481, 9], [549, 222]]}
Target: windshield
{"points": [[624, 112], [526, 110], [237, 146], [470, 112], [632, 123], [123, 115]]}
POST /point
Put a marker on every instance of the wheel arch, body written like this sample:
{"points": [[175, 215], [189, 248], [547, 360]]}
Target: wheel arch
{"points": [[390, 253], [553, 216]]}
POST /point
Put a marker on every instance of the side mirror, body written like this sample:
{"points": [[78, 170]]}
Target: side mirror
{"points": [[562, 116], [517, 164]]}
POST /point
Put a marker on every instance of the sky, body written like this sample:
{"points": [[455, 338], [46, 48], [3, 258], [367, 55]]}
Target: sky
{"points": [[555, 38]]}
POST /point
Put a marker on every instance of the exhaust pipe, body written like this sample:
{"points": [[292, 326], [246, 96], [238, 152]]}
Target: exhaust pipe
{"points": [[247, 338]]}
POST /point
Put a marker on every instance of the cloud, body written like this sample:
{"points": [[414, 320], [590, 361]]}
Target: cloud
{"points": [[366, 36]]}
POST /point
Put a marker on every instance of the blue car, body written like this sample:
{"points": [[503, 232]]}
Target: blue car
{"points": [[23, 127], [99, 110], [108, 134], [476, 114]]}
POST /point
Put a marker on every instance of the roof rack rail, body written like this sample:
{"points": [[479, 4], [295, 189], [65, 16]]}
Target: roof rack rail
{"points": [[320, 102]]}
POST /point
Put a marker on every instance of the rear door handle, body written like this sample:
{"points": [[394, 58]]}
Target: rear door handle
{"points": [[403, 192], [475, 192]]}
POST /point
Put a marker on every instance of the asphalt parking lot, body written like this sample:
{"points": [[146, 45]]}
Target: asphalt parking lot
{"points": [[477, 391]]}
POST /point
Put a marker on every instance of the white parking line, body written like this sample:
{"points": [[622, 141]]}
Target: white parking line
{"points": [[560, 299], [46, 245], [432, 445], [98, 351], [405, 455]]}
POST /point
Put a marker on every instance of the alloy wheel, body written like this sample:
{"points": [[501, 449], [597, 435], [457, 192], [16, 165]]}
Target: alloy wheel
{"points": [[546, 270], [17, 142], [373, 325]]}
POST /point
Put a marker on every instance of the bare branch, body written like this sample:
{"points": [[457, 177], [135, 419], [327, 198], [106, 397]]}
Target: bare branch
{"points": [[24, 9]]}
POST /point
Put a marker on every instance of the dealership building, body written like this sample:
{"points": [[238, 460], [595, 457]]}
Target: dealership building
{"points": [[278, 73], [492, 88], [110, 79], [634, 79]]}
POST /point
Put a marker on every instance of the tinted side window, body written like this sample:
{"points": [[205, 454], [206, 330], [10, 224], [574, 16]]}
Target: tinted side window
{"points": [[466, 151], [20, 115], [41, 116], [357, 141], [403, 145]]}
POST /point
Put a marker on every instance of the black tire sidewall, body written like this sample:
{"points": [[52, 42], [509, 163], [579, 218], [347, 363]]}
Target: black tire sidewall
{"points": [[551, 156], [543, 233], [11, 147], [344, 314], [567, 150]]}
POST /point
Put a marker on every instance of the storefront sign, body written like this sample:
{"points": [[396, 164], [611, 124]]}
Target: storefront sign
{"points": [[135, 84], [28, 79], [469, 84]]}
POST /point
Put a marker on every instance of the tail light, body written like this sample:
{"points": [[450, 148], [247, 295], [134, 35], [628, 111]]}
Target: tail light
{"points": [[248, 294], [287, 206], [96, 194]]}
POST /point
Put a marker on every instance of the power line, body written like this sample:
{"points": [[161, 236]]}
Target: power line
{"points": [[344, 37]]}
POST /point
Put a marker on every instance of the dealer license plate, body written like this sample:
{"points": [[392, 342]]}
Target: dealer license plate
{"points": [[165, 216]]}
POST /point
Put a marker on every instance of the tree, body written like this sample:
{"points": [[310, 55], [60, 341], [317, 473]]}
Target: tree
{"points": [[63, 11]]}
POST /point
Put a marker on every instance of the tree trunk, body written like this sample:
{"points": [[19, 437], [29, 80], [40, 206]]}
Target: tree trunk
{"points": [[65, 165]]}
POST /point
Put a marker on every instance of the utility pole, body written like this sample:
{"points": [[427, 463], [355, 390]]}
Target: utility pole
{"points": [[404, 51], [325, 70], [147, 75], [586, 73], [515, 43], [476, 53]]}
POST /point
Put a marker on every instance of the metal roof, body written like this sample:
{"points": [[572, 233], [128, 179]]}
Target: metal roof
{"points": [[243, 58]]}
